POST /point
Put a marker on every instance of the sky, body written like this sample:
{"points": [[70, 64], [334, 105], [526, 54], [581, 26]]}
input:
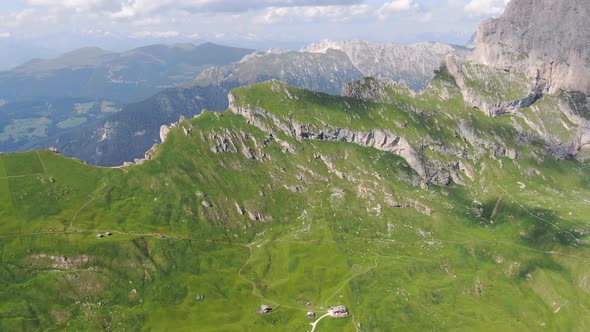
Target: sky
{"points": [[46, 26]]}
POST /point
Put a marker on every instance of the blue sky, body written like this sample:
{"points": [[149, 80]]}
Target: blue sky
{"points": [[117, 24]]}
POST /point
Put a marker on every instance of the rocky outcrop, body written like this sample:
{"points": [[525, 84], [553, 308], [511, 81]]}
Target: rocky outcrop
{"points": [[496, 100], [59, 262], [376, 138], [548, 39], [576, 106], [164, 130], [378, 90]]}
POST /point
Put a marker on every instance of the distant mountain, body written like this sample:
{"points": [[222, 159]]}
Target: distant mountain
{"points": [[325, 72], [121, 77], [411, 65], [15, 52], [547, 39], [46, 102], [327, 66]]}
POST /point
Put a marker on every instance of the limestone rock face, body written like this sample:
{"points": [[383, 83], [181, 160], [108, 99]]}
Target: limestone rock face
{"points": [[164, 130], [499, 92], [374, 89], [379, 139], [548, 39]]}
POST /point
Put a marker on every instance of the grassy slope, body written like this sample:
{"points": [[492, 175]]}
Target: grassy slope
{"points": [[334, 241]]}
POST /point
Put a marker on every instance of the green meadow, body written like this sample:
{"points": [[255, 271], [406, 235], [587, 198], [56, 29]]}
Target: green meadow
{"points": [[223, 219]]}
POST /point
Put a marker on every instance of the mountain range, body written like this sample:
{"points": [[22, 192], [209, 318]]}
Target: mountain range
{"points": [[120, 77], [326, 67], [463, 206]]}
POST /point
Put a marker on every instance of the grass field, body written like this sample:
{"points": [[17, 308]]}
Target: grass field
{"points": [[224, 219]]}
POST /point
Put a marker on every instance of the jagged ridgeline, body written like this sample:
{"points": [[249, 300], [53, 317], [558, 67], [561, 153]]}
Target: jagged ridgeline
{"points": [[416, 212]]}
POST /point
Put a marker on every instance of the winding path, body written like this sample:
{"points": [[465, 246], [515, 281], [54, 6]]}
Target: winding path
{"points": [[352, 277], [41, 161], [91, 196], [255, 291], [537, 217], [19, 176], [315, 324]]}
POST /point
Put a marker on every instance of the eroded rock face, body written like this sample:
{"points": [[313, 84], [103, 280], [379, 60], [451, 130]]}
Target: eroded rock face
{"points": [[561, 120], [500, 99], [164, 130], [375, 138], [377, 90], [547, 39]]}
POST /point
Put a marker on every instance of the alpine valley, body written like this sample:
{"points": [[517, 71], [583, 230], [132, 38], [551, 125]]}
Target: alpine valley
{"points": [[49, 102], [454, 202]]}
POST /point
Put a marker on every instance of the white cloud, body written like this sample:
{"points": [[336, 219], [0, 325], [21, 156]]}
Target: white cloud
{"points": [[5, 34], [28, 17], [79, 6], [134, 8], [307, 14], [425, 17], [97, 32], [194, 36], [396, 6], [485, 7], [156, 34], [147, 21], [108, 23]]}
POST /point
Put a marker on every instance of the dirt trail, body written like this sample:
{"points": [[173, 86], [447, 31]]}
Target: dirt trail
{"points": [[91, 196], [495, 211], [315, 324], [537, 217], [255, 291], [41, 161], [352, 277], [20, 176]]}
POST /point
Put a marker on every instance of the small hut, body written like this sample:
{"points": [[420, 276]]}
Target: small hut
{"points": [[310, 314], [339, 311], [99, 236], [264, 309]]}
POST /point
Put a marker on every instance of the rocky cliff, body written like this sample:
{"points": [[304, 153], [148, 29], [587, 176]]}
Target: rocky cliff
{"points": [[547, 39], [492, 91]]}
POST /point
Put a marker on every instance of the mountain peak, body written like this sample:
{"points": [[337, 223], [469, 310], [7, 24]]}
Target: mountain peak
{"points": [[549, 39]]}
